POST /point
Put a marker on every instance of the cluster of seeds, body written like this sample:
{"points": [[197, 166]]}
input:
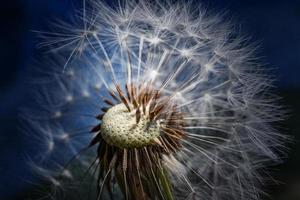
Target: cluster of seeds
{"points": [[186, 109], [136, 131], [119, 128]]}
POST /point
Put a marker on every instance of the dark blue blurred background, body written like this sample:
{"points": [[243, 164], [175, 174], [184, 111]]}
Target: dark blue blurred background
{"points": [[275, 23]]}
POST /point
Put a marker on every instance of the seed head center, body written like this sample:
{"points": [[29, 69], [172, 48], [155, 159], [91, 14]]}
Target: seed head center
{"points": [[119, 128]]}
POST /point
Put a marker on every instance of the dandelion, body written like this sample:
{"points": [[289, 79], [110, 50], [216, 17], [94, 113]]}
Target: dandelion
{"points": [[152, 101]]}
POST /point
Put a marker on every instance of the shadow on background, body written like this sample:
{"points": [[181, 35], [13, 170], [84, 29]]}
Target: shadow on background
{"points": [[275, 23]]}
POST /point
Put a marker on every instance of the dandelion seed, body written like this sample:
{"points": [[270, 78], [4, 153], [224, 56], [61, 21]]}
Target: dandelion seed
{"points": [[156, 101]]}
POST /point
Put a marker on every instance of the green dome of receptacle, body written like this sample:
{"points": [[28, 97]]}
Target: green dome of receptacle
{"points": [[119, 128]]}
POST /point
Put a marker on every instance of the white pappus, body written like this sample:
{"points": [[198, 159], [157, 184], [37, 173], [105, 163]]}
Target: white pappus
{"points": [[151, 100]]}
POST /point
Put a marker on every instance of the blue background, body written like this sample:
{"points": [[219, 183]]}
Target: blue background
{"points": [[276, 24]]}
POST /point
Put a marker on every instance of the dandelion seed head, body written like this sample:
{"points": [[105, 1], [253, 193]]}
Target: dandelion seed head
{"points": [[155, 100]]}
